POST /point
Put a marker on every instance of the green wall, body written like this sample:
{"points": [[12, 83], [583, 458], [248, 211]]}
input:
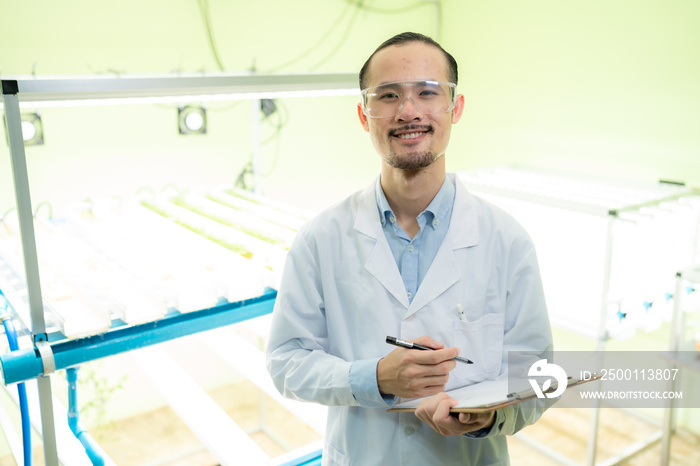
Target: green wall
{"points": [[596, 87], [100, 152], [601, 86]]}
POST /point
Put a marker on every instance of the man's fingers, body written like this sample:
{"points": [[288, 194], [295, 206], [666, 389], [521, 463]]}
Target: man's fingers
{"points": [[442, 421], [434, 357], [429, 342], [442, 411], [412, 373], [435, 412]]}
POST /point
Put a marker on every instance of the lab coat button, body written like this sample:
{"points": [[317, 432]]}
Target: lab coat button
{"points": [[409, 430]]}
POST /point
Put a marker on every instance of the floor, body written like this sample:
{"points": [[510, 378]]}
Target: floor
{"points": [[160, 438], [617, 432]]}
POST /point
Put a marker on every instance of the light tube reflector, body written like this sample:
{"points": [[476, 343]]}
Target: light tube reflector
{"points": [[178, 89]]}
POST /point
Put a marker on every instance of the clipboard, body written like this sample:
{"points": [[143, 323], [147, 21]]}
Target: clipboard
{"points": [[492, 400]]}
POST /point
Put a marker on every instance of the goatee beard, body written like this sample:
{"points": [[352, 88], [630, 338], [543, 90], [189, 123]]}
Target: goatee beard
{"points": [[412, 160]]}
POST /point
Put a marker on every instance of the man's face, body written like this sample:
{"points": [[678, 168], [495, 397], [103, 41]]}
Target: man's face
{"points": [[410, 140]]}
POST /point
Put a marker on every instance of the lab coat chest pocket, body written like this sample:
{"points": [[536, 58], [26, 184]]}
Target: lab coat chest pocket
{"points": [[481, 341]]}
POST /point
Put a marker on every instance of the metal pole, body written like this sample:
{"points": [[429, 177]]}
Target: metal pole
{"points": [[257, 145], [602, 336], [676, 335], [10, 90]]}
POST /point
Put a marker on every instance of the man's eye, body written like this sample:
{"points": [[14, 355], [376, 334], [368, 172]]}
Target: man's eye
{"points": [[388, 96], [428, 93]]}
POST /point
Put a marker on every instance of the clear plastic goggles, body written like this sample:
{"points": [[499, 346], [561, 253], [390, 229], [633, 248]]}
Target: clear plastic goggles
{"points": [[428, 97]]}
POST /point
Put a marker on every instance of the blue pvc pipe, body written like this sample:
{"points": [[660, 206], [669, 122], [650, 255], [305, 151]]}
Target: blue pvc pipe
{"points": [[21, 389], [26, 364], [93, 450], [313, 458]]}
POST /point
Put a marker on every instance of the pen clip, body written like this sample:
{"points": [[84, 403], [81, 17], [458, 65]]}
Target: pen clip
{"points": [[460, 313]]}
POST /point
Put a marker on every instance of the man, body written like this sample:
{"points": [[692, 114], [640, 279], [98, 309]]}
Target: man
{"points": [[414, 256]]}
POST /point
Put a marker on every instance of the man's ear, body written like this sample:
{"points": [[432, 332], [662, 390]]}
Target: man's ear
{"points": [[459, 108], [363, 117]]}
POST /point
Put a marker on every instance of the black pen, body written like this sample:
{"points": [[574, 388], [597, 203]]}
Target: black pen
{"points": [[410, 345]]}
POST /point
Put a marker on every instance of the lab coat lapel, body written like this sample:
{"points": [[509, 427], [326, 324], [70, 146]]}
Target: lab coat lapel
{"points": [[463, 232], [380, 263]]}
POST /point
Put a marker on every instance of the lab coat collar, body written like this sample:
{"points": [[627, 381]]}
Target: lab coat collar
{"points": [[444, 271], [367, 220], [380, 262], [464, 224]]}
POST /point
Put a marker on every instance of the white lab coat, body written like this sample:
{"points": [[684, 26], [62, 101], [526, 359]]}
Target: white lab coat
{"points": [[342, 294]]}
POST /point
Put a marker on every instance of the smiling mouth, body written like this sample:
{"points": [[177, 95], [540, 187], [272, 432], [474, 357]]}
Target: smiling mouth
{"points": [[409, 135], [412, 132]]}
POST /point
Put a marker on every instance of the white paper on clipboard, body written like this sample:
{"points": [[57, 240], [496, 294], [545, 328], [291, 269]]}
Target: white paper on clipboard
{"points": [[488, 395]]}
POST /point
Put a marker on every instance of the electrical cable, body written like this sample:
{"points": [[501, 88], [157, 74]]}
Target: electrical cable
{"points": [[240, 178], [7, 212], [240, 181], [282, 113], [205, 13], [343, 38], [203, 6], [389, 11], [11, 334], [321, 40], [359, 6]]}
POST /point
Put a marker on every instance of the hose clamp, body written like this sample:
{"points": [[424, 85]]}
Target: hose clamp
{"points": [[47, 358]]}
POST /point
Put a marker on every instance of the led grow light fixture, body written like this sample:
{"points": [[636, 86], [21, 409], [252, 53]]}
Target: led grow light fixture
{"points": [[192, 119], [87, 91]]}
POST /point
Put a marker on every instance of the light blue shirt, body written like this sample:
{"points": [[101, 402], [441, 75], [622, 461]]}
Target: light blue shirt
{"points": [[415, 255]]}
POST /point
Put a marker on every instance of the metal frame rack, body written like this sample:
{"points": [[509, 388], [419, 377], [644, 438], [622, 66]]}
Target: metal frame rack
{"points": [[680, 357], [47, 355], [597, 200]]}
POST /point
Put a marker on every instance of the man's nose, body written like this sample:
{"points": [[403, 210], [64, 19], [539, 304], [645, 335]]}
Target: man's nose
{"points": [[408, 111]]}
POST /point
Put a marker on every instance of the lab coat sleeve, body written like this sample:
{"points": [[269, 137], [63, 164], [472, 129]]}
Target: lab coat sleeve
{"points": [[297, 354], [527, 329], [364, 386]]}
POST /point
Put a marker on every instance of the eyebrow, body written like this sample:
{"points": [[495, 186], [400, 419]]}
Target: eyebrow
{"points": [[416, 83]]}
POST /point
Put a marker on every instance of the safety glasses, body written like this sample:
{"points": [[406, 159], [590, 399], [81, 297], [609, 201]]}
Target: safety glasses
{"points": [[428, 97]]}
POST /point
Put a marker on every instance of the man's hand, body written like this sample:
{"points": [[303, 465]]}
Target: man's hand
{"points": [[435, 412], [411, 373]]}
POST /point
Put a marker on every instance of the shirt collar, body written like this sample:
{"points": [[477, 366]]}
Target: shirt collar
{"points": [[441, 205], [436, 212], [385, 212]]}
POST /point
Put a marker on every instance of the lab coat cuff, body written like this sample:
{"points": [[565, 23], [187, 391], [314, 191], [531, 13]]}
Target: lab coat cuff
{"points": [[495, 429], [505, 421], [341, 384], [363, 384]]}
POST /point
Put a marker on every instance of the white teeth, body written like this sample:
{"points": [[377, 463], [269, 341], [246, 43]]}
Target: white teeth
{"points": [[409, 135]]}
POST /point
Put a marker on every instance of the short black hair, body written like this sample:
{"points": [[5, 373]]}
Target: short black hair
{"points": [[404, 38]]}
